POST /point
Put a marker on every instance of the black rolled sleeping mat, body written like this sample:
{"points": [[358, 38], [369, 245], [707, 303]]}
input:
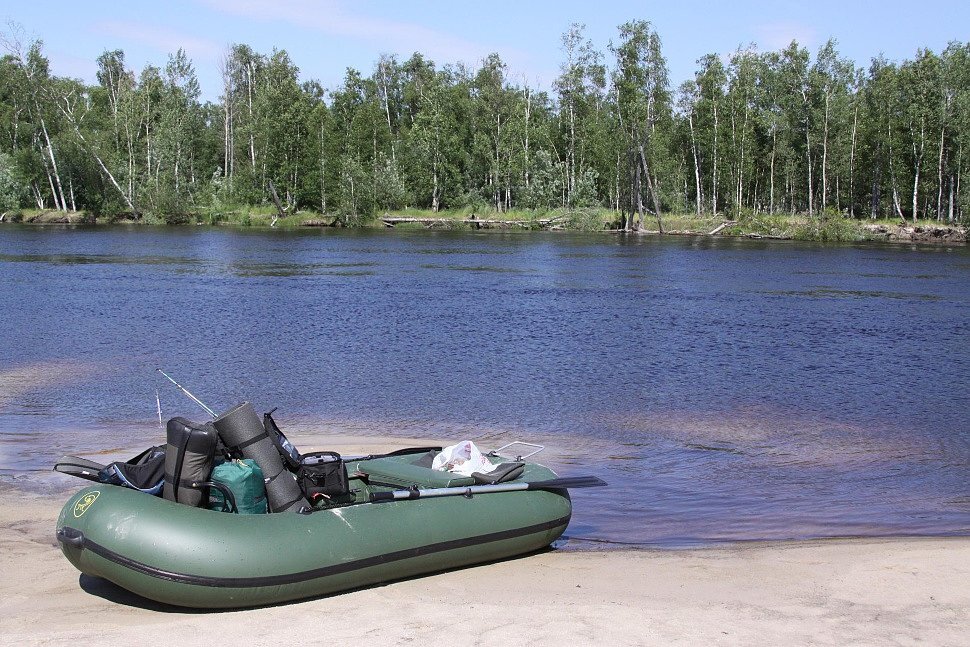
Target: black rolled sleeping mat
{"points": [[189, 456], [242, 429]]}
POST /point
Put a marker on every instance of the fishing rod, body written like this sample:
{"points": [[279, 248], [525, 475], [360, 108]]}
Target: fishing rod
{"points": [[186, 392]]}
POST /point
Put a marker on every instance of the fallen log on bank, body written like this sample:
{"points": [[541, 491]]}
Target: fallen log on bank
{"points": [[766, 237], [721, 226], [473, 221], [279, 207]]}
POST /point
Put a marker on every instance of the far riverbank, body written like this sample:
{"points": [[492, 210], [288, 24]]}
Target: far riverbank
{"points": [[827, 228]]}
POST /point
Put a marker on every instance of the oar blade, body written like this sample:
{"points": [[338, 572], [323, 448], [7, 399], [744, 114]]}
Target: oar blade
{"points": [[79, 467], [568, 482]]}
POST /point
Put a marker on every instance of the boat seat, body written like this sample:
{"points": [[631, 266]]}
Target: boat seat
{"points": [[399, 471], [426, 460], [501, 473]]}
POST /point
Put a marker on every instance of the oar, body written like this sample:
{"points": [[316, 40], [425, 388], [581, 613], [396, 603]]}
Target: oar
{"points": [[80, 467], [77, 461], [551, 484]]}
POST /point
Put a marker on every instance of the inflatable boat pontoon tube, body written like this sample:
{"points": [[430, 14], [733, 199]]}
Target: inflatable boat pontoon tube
{"points": [[192, 557]]}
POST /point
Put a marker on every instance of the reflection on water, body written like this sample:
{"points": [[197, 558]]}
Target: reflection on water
{"points": [[18, 383], [97, 259], [823, 292], [474, 268], [727, 390]]}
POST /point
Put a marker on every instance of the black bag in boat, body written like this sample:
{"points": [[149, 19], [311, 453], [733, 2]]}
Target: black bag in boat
{"points": [[322, 473], [241, 430], [287, 451], [189, 456], [318, 473], [145, 472]]}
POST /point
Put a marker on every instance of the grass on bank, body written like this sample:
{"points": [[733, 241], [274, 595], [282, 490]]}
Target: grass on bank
{"points": [[829, 226], [49, 217], [584, 219]]}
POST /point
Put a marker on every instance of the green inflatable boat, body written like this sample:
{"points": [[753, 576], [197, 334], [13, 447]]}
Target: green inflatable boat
{"points": [[396, 518]]}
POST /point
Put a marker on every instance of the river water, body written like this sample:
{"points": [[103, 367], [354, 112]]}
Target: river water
{"points": [[726, 389]]}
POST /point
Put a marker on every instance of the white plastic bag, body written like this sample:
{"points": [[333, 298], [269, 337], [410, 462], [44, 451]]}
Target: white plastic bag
{"points": [[462, 458]]}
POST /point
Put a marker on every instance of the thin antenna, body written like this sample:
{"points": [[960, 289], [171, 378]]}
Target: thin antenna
{"points": [[158, 404], [186, 392]]}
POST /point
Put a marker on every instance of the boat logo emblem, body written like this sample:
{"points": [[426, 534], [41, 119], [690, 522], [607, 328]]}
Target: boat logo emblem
{"points": [[82, 506]]}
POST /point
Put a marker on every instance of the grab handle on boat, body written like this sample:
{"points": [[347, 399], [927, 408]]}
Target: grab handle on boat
{"points": [[229, 504], [518, 457], [72, 536]]}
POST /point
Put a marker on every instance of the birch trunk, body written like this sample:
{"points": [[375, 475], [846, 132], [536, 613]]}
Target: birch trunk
{"points": [[101, 164], [616, 184], [50, 180], [528, 115], [572, 150], [808, 158], [892, 173], [652, 188], [323, 173], [697, 166], [497, 192], [250, 72], [714, 181], [744, 130], [918, 157], [896, 203], [130, 147], [808, 155], [62, 205], [855, 123], [939, 184], [950, 213], [825, 154], [771, 181], [959, 210], [387, 109], [226, 140], [434, 188]]}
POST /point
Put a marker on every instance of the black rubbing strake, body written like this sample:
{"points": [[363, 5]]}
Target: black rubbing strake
{"points": [[303, 576]]}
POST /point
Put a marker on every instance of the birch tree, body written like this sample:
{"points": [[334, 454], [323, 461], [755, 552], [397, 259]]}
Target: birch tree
{"points": [[643, 100], [711, 79]]}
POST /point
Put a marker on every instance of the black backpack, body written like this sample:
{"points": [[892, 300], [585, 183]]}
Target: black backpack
{"points": [[145, 472], [320, 474]]}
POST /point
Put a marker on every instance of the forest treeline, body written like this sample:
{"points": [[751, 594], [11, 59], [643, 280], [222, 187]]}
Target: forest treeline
{"points": [[775, 132]]}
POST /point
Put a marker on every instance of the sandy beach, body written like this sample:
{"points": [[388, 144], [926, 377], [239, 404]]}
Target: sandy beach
{"points": [[832, 592]]}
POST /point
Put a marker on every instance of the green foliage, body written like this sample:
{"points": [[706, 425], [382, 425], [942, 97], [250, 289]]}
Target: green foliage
{"points": [[751, 135], [12, 190], [546, 186], [170, 208], [584, 219], [830, 227]]}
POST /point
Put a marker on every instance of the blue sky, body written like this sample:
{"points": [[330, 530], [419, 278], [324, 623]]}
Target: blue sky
{"points": [[325, 37]]}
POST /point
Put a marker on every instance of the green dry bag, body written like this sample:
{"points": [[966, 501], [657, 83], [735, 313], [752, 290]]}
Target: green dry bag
{"points": [[245, 480]]}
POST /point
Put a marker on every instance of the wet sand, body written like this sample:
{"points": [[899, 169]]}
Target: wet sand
{"points": [[832, 592]]}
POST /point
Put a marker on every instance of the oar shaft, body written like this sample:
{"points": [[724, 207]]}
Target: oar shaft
{"points": [[471, 490]]}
